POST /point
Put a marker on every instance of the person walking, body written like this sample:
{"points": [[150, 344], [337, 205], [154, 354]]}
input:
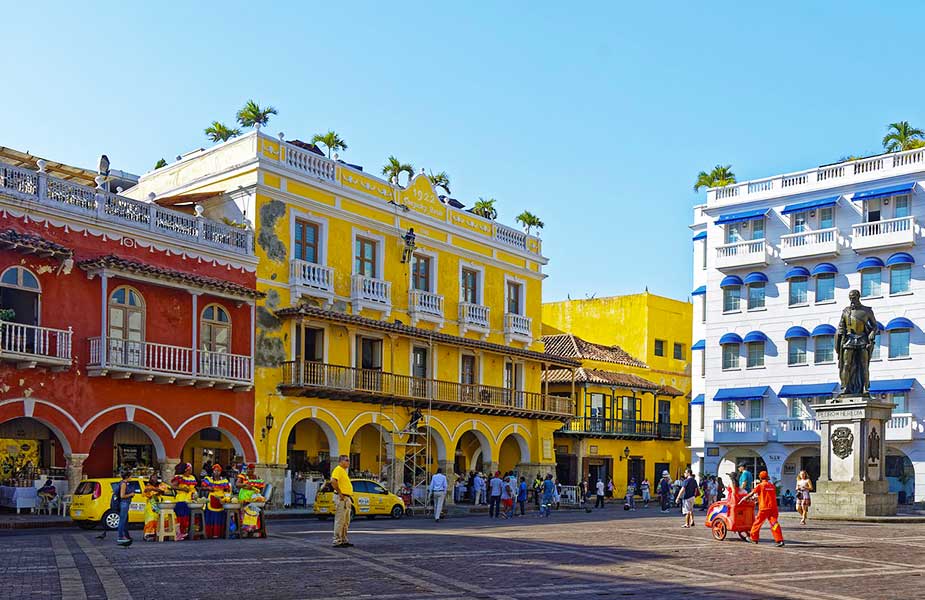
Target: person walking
{"points": [[537, 491], [746, 479], [507, 498], [438, 486], [630, 496], [494, 495], [549, 494], [686, 497], [767, 509], [125, 502], [610, 487], [664, 491], [522, 496], [478, 489], [804, 487], [720, 488], [646, 494], [599, 503], [343, 501]]}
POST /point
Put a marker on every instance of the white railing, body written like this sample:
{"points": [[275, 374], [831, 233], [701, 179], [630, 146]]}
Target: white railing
{"points": [[369, 289], [474, 315], [885, 227], [808, 238], [518, 325], [113, 354], [900, 427], [34, 341], [795, 424], [740, 425], [309, 163], [73, 197], [740, 249], [425, 302], [846, 173], [311, 275], [225, 366], [510, 236]]}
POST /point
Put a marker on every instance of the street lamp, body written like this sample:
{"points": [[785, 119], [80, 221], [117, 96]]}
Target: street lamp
{"points": [[268, 426]]}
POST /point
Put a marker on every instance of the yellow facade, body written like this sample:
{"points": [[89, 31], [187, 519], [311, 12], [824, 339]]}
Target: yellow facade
{"points": [[338, 375]]}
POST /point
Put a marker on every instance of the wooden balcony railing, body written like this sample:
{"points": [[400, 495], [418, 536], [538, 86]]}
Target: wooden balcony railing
{"points": [[369, 384], [624, 428]]}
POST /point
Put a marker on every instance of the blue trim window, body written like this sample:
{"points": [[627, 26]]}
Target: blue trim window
{"points": [[754, 409], [796, 351], [729, 410], [755, 357], [756, 296], [900, 279], [902, 206], [899, 399], [798, 409], [870, 283], [827, 217], [798, 291], [899, 343], [824, 349], [825, 287], [732, 299], [875, 353], [730, 356]]}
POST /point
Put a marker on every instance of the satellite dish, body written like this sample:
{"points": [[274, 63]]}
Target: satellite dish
{"points": [[104, 165]]}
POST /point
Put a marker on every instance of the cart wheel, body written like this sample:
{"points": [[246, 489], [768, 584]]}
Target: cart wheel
{"points": [[719, 530], [743, 535]]}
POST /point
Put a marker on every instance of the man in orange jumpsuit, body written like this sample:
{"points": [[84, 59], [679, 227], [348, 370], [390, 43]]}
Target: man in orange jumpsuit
{"points": [[767, 508]]}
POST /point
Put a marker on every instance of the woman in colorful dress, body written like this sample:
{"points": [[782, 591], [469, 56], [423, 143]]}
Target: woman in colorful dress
{"points": [[218, 487], [184, 483], [250, 490], [154, 488]]}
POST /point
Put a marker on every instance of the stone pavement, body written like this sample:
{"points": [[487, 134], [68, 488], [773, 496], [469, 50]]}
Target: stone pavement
{"points": [[607, 554]]}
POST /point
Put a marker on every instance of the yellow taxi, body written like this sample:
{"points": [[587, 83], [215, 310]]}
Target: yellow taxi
{"points": [[92, 499], [369, 499]]}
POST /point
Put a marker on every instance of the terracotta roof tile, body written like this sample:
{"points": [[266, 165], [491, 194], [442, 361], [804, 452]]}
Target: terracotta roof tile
{"points": [[305, 310], [572, 346], [28, 243], [669, 390], [133, 267], [600, 377]]}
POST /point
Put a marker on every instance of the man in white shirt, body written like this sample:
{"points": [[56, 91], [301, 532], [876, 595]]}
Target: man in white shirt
{"points": [[494, 496], [438, 486], [600, 494], [478, 487]]}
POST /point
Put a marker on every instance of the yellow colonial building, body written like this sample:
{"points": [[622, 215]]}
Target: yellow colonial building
{"points": [[632, 414], [397, 328]]}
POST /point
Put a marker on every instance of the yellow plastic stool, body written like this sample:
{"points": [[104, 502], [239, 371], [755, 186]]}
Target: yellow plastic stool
{"points": [[166, 524]]}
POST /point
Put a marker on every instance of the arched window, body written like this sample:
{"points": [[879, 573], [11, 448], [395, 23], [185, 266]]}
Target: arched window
{"points": [[126, 315], [216, 329], [19, 293]]}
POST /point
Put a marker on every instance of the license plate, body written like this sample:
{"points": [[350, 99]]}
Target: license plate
{"points": [[322, 510], [138, 506], [77, 513]]}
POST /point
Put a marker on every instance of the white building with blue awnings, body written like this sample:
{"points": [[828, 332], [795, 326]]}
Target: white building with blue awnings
{"points": [[773, 261]]}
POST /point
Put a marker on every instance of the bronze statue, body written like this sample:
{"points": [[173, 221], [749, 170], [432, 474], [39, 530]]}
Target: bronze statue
{"points": [[854, 343]]}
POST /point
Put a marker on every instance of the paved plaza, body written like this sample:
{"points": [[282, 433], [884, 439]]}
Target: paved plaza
{"points": [[607, 554]]}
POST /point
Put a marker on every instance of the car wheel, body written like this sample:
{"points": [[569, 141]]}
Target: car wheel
{"points": [[86, 524], [397, 511], [110, 520]]}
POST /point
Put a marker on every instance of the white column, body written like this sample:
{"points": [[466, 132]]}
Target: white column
{"points": [[104, 313], [195, 343]]}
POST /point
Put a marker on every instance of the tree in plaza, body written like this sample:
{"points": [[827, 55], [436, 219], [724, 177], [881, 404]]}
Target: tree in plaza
{"points": [[331, 141], [485, 208], [903, 136], [252, 115], [394, 167], [440, 180], [720, 176], [529, 221], [219, 132]]}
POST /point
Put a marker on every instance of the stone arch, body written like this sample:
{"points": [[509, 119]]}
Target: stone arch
{"points": [[522, 442], [333, 430], [912, 489], [154, 426], [240, 437], [61, 423], [788, 480], [488, 450], [728, 464]]}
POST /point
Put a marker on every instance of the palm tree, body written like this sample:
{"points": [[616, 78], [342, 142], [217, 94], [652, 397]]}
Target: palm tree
{"points": [[394, 167], [331, 141], [440, 180], [251, 115], [485, 208], [720, 176], [159, 164], [219, 132], [529, 221], [902, 136]]}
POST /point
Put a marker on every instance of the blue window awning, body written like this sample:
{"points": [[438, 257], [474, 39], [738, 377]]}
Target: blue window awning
{"points": [[824, 268], [807, 390], [699, 291], [700, 236], [749, 215], [888, 386], [900, 258], [700, 345], [740, 394], [884, 192], [755, 277], [792, 208], [730, 338], [755, 336], [871, 262], [900, 323], [698, 399], [730, 281], [796, 332], [824, 329], [797, 272]]}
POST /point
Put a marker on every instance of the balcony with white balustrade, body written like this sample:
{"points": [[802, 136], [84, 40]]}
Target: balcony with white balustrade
{"points": [[311, 279], [798, 431], [31, 346], [425, 306], [878, 235], [518, 328], [901, 428], [752, 253], [739, 431], [474, 317], [809, 244], [369, 292], [167, 364]]}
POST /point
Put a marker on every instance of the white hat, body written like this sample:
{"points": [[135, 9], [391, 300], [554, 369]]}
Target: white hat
{"points": [[666, 474]]}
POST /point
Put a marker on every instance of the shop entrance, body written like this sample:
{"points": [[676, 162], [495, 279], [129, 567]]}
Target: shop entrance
{"points": [[122, 446], [635, 469]]}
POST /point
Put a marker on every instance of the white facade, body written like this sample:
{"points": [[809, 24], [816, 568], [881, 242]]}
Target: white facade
{"points": [[859, 210]]}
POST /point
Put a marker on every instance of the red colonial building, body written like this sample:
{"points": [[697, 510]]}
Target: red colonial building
{"points": [[126, 329]]}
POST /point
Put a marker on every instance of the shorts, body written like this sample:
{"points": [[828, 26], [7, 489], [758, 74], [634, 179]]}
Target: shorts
{"points": [[507, 503], [687, 506]]}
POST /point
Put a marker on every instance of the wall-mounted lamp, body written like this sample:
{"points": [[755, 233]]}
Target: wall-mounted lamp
{"points": [[626, 453], [268, 425]]}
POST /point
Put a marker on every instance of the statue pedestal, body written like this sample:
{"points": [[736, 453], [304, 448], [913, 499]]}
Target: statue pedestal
{"points": [[852, 480]]}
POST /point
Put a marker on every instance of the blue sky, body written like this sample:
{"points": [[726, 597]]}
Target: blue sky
{"points": [[595, 117]]}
